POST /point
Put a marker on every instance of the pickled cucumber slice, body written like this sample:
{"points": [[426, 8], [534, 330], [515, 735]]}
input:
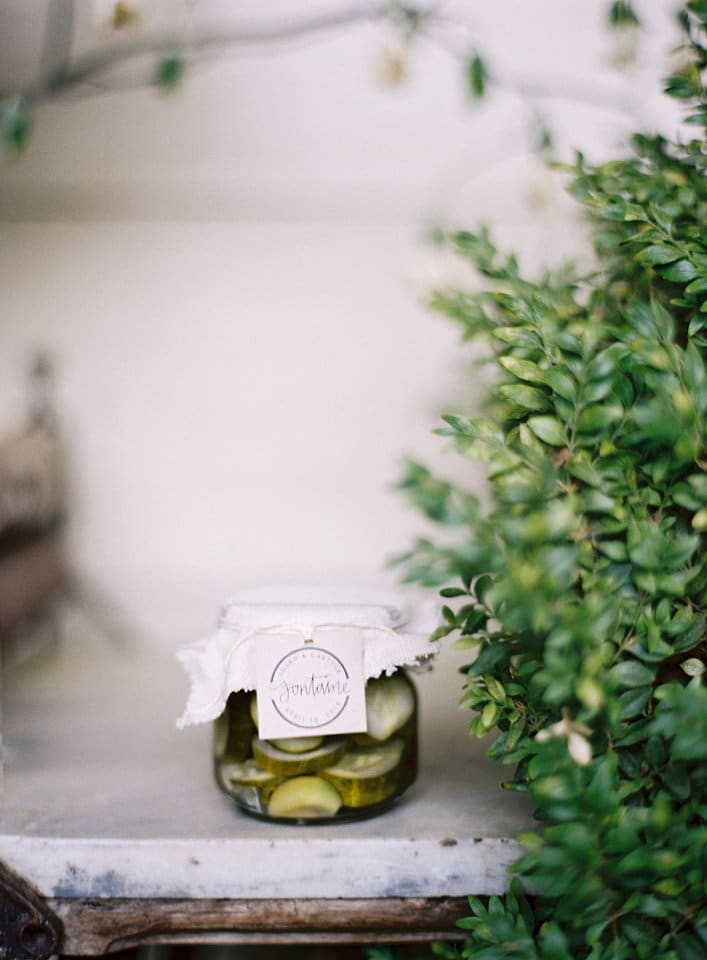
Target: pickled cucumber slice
{"points": [[247, 782], [407, 731], [304, 797], [390, 702], [368, 775], [297, 744], [233, 729], [249, 797], [284, 764], [247, 773], [221, 726], [288, 744]]}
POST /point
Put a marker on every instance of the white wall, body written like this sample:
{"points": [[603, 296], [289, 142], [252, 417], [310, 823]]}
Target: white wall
{"points": [[237, 398]]}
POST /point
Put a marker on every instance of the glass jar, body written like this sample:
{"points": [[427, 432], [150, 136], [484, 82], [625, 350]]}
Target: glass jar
{"points": [[321, 779]]}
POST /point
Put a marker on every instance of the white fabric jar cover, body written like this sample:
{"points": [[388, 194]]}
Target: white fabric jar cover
{"points": [[224, 662]]}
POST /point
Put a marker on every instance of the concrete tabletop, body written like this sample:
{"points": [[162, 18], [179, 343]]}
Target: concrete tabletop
{"points": [[104, 798]]}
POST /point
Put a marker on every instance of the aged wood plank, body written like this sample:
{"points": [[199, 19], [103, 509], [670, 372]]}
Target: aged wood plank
{"points": [[94, 927]]}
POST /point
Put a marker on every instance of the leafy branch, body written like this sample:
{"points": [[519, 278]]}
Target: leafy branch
{"points": [[175, 51], [582, 589]]}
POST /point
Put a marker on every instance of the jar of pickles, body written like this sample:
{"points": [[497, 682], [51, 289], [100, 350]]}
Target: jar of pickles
{"points": [[314, 715], [322, 777]]}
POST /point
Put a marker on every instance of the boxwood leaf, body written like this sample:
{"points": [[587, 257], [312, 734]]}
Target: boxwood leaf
{"points": [[479, 429], [490, 657], [631, 673], [532, 398], [682, 271], [562, 384], [549, 430], [632, 702], [658, 253], [524, 369], [477, 76], [614, 549]]}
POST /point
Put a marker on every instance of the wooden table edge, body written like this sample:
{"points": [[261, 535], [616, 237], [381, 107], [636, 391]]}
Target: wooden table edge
{"points": [[92, 927]]}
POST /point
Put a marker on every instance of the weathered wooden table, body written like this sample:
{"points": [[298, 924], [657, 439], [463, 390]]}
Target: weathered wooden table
{"points": [[111, 817]]}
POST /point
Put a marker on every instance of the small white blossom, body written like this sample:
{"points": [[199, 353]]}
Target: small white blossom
{"points": [[580, 749], [393, 62], [560, 729], [624, 51]]}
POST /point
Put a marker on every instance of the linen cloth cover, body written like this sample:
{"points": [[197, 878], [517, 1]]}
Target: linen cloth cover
{"points": [[225, 661]]}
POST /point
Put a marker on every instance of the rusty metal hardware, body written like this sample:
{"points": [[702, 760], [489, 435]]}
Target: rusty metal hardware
{"points": [[28, 930]]}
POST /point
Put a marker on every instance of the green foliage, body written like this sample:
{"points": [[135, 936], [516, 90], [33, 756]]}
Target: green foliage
{"points": [[15, 124], [622, 14], [582, 589], [170, 73], [444, 950], [478, 76]]}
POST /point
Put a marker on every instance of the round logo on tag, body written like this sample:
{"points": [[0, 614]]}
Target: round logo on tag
{"points": [[309, 687]]}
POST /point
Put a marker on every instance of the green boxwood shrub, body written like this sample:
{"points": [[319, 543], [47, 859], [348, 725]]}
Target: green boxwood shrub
{"points": [[582, 588]]}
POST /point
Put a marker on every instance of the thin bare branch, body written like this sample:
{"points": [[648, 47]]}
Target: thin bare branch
{"points": [[90, 66]]}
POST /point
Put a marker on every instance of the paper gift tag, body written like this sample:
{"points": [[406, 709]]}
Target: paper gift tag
{"points": [[311, 687]]}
